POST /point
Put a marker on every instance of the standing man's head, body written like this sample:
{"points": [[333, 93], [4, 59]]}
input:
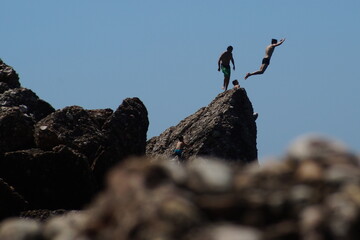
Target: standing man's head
{"points": [[274, 41], [181, 138], [229, 48], [235, 82]]}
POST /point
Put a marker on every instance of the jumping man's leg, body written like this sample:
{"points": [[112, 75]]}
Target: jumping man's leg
{"points": [[261, 71]]}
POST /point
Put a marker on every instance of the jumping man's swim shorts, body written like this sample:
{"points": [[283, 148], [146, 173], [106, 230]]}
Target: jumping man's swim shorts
{"points": [[266, 61]]}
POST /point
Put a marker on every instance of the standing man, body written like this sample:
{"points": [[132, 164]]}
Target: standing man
{"points": [[266, 60], [224, 64]]}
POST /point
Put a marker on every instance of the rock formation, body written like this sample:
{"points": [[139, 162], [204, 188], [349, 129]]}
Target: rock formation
{"points": [[125, 132], [225, 129], [8, 77], [57, 159]]}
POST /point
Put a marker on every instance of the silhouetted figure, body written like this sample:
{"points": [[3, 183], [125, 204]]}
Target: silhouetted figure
{"points": [[266, 60], [224, 65]]}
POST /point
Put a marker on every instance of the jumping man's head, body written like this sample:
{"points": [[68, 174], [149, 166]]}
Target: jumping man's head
{"points": [[273, 41], [229, 48]]}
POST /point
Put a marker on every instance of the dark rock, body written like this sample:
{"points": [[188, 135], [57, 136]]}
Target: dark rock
{"points": [[57, 179], [8, 76], [100, 116], [74, 127], [3, 87], [11, 203], [225, 129], [28, 101], [126, 132], [16, 130]]}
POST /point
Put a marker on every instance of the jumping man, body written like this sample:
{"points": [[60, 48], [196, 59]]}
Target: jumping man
{"points": [[224, 65], [266, 60]]}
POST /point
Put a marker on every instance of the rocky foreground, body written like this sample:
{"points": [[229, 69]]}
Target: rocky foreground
{"points": [[311, 193], [84, 174]]}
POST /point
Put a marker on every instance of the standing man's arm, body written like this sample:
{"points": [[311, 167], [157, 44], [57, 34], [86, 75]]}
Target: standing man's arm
{"points": [[219, 62], [233, 63]]}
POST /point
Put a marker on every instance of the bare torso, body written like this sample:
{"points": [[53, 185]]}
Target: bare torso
{"points": [[225, 58], [180, 145], [269, 51]]}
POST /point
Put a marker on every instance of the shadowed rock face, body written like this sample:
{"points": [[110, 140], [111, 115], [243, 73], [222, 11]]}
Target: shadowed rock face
{"points": [[125, 132], [28, 101], [11, 202], [16, 130], [60, 178], [225, 129], [71, 126]]}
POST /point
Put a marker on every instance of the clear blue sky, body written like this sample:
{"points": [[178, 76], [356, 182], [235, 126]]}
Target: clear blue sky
{"points": [[96, 53]]}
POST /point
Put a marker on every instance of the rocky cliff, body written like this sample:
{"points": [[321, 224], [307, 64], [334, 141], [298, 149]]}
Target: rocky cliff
{"points": [[225, 129], [59, 158]]}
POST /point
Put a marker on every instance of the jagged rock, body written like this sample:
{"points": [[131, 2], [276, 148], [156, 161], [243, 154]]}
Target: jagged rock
{"points": [[11, 203], [8, 77], [225, 129], [57, 179], [126, 132], [28, 101], [100, 116], [72, 126], [16, 130]]}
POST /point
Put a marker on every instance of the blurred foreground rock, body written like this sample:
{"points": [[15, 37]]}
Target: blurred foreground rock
{"points": [[312, 193]]}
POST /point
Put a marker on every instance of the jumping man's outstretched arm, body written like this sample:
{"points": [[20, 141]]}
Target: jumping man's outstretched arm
{"points": [[279, 43]]}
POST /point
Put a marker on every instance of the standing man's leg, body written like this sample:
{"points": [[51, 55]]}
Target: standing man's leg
{"points": [[226, 82], [227, 72]]}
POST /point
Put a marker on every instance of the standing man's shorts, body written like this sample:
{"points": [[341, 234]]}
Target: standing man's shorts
{"points": [[226, 70], [178, 152]]}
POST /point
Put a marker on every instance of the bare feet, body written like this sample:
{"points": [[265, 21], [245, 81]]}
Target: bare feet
{"points": [[247, 75]]}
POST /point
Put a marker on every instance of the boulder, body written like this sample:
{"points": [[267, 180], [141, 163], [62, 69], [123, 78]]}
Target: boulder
{"points": [[74, 127], [125, 131], [12, 203], [28, 101], [16, 129], [225, 129], [100, 116], [8, 77], [57, 179]]}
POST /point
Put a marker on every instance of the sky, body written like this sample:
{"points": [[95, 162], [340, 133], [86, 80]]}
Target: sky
{"points": [[94, 54]]}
